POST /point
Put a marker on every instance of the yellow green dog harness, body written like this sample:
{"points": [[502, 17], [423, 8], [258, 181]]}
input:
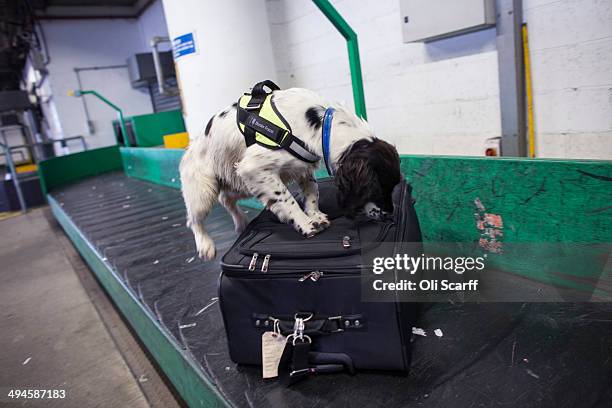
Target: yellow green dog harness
{"points": [[261, 123]]}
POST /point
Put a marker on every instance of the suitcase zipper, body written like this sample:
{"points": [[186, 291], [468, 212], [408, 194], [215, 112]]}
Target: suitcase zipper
{"points": [[266, 262], [253, 262], [313, 276], [241, 271], [346, 241], [346, 244]]}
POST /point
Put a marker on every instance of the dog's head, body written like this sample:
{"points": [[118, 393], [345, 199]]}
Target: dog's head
{"points": [[366, 175]]}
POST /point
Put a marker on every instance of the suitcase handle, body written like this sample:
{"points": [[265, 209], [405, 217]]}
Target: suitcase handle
{"points": [[316, 326], [320, 358]]}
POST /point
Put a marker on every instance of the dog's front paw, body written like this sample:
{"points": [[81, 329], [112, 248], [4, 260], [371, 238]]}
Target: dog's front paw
{"points": [[206, 249], [310, 231], [319, 221], [314, 227]]}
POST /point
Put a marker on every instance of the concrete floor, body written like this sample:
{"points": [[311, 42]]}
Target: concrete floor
{"points": [[53, 337]]}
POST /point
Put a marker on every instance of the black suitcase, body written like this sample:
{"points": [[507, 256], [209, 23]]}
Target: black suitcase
{"points": [[272, 273]]}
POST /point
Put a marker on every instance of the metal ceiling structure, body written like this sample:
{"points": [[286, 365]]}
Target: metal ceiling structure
{"points": [[18, 34], [22, 37], [66, 9]]}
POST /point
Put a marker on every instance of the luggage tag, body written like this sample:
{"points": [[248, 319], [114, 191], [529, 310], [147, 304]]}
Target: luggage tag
{"points": [[272, 346]]}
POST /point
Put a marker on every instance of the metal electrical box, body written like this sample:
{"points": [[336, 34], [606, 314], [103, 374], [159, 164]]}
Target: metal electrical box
{"points": [[142, 70], [427, 20]]}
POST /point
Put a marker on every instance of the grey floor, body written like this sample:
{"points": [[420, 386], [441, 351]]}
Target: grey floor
{"points": [[58, 331]]}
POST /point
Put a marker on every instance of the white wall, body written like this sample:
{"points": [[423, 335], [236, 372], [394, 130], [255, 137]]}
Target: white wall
{"points": [[233, 53], [443, 97], [435, 98], [98, 42], [571, 52]]}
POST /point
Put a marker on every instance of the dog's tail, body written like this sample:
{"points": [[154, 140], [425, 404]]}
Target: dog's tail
{"points": [[200, 191]]}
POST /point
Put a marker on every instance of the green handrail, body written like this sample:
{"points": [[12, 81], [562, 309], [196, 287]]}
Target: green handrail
{"points": [[112, 105], [353, 51]]}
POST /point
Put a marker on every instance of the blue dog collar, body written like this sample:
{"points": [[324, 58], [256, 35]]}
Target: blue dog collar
{"points": [[325, 139]]}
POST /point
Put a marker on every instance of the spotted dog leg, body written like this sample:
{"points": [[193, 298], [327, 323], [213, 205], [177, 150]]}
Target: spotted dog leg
{"points": [[273, 194], [310, 191]]}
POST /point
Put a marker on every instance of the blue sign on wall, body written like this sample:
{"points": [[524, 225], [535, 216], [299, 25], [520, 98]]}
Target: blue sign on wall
{"points": [[183, 45]]}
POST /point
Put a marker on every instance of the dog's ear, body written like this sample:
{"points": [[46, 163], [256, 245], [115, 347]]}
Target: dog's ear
{"points": [[356, 179], [385, 161], [367, 172]]}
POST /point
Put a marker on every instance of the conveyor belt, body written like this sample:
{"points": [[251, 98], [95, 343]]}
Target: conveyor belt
{"points": [[490, 355]]}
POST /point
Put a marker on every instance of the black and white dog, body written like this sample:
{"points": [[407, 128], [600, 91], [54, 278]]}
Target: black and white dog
{"points": [[219, 166]]}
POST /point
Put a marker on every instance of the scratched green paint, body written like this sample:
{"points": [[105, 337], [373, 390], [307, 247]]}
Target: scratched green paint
{"points": [[540, 202]]}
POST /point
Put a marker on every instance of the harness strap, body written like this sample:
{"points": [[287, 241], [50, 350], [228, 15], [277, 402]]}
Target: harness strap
{"points": [[258, 96], [253, 124], [258, 89], [256, 123]]}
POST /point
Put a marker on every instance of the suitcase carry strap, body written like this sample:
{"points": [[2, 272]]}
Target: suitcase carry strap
{"points": [[298, 361]]}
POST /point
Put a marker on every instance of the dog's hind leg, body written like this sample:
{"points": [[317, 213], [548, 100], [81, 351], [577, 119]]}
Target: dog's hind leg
{"points": [[200, 190], [228, 200]]}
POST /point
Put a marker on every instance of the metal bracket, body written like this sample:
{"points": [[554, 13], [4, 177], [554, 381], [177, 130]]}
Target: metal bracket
{"points": [[511, 77]]}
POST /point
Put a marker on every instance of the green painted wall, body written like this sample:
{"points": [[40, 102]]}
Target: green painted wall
{"points": [[62, 170]]}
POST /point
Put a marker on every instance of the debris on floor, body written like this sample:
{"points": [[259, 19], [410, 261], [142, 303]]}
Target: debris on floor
{"points": [[419, 332], [531, 373]]}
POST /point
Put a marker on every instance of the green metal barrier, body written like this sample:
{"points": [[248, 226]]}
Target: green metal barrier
{"points": [[62, 170], [547, 220], [157, 165], [149, 130]]}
